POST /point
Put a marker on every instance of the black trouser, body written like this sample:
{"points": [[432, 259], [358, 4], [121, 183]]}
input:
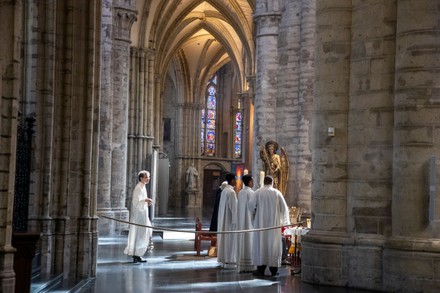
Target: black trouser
{"points": [[273, 270], [285, 248]]}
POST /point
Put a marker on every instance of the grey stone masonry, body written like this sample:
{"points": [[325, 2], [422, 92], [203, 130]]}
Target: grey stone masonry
{"points": [[285, 68], [104, 206], [296, 46], [117, 23], [267, 17], [11, 28], [58, 74], [374, 190]]}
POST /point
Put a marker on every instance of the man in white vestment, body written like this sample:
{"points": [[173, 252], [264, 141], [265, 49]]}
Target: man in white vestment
{"points": [[227, 221], [244, 222], [270, 210], [139, 237]]}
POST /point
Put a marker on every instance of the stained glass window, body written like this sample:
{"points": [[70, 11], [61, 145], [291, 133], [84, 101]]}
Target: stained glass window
{"points": [[238, 135], [208, 118]]}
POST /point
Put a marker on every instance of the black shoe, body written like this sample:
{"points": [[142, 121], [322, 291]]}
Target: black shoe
{"points": [[138, 259], [258, 274]]}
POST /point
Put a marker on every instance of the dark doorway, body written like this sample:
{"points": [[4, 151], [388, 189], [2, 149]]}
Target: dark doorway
{"points": [[212, 180]]}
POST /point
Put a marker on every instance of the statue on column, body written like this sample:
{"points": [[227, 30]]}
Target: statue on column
{"points": [[275, 165], [191, 178]]}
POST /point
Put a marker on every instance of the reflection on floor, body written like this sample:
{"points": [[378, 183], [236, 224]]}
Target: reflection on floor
{"points": [[173, 267]]}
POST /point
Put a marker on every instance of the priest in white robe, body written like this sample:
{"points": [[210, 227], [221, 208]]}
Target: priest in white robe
{"points": [[244, 222], [270, 210], [227, 221], [138, 236]]}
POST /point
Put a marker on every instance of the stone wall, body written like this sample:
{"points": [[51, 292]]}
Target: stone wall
{"points": [[374, 183]]}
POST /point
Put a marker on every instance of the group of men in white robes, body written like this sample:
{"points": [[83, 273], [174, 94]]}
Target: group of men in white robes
{"points": [[250, 210]]}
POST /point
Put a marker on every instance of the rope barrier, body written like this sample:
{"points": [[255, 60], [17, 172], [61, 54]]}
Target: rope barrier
{"points": [[192, 231]]}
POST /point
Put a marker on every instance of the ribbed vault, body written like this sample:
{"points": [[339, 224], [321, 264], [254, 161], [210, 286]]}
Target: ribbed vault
{"points": [[203, 34]]}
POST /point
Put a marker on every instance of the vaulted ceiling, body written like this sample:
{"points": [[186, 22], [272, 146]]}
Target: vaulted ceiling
{"points": [[206, 34]]}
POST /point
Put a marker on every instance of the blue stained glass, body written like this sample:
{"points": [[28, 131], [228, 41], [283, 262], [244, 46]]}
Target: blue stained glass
{"points": [[210, 136], [211, 90], [238, 134], [211, 103], [210, 150], [237, 151], [208, 119]]}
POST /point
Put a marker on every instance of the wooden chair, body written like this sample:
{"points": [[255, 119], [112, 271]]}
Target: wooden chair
{"points": [[203, 235]]}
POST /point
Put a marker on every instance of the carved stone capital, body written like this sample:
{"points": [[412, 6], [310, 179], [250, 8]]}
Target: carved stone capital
{"points": [[267, 23], [123, 20]]}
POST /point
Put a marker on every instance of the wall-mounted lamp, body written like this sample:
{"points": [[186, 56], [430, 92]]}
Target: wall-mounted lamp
{"points": [[331, 132]]}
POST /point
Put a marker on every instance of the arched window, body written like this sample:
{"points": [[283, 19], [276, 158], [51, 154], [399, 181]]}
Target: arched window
{"points": [[209, 118]]}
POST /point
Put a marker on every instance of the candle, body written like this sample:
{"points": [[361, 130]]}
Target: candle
{"points": [[261, 178]]}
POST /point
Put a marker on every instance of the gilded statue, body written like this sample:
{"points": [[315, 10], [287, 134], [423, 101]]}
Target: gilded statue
{"points": [[275, 165]]}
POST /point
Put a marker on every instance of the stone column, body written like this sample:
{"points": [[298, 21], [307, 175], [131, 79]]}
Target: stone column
{"points": [[11, 13], [370, 125], [267, 17], [104, 206], [416, 123], [331, 110], [123, 20], [179, 171], [412, 255], [140, 140], [323, 255], [303, 162], [288, 112]]}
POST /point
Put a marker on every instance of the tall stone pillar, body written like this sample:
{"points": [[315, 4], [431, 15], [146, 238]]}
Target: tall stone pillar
{"points": [[123, 20], [412, 255], [329, 188], [296, 50], [323, 255], [288, 112], [104, 206], [267, 17], [416, 116], [11, 30], [113, 148], [303, 153], [140, 139]]}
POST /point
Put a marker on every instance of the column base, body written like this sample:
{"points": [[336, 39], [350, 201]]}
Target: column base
{"points": [[370, 262]]}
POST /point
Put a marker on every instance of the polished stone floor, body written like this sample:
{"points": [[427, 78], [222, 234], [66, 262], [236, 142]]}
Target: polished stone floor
{"points": [[173, 267]]}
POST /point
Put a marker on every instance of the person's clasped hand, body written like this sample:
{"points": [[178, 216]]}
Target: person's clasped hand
{"points": [[149, 201]]}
